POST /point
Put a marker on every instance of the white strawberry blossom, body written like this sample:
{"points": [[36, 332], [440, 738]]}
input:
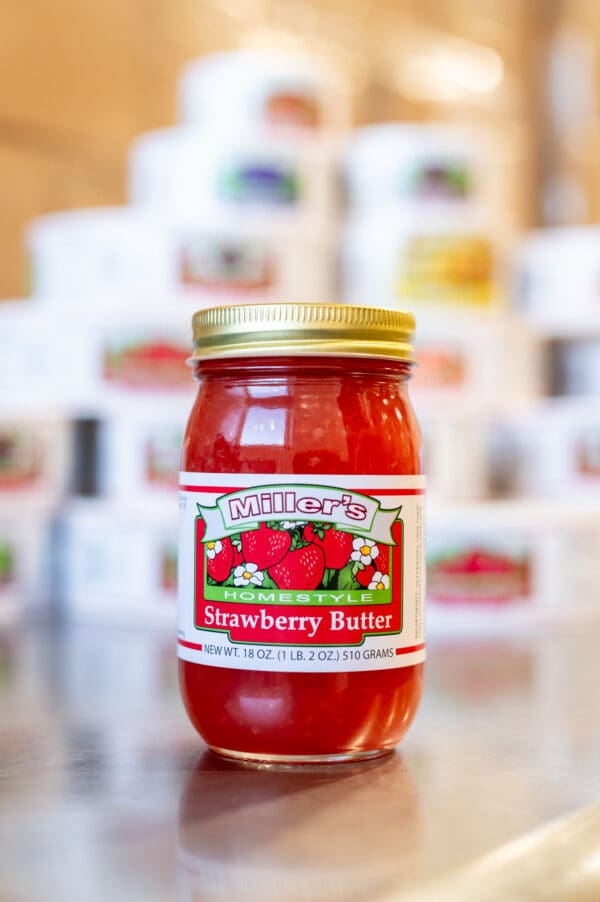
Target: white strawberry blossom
{"points": [[365, 551], [244, 574], [291, 524], [379, 581], [213, 549]]}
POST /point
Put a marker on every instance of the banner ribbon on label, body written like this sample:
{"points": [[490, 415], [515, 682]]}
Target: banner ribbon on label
{"points": [[245, 509]]}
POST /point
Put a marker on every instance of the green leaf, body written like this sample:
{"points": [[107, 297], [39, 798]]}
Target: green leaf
{"points": [[328, 577], [267, 582], [298, 540], [346, 577], [319, 528]]}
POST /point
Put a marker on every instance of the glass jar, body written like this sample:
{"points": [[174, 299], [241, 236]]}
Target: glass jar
{"points": [[301, 633]]}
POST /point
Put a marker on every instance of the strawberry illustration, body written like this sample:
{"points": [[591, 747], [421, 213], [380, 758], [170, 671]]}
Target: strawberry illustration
{"points": [[365, 575], [336, 544], [219, 559], [300, 569], [383, 559], [265, 546]]}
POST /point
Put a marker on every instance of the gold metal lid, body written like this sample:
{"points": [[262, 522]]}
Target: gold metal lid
{"points": [[264, 330]]}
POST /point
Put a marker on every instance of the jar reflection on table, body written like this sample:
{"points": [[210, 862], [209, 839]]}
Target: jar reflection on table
{"points": [[343, 832]]}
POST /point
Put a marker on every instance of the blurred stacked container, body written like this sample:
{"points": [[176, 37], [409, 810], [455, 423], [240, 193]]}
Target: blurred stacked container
{"points": [[419, 235], [533, 555], [36, 453], [238, 204], [555, 445]]}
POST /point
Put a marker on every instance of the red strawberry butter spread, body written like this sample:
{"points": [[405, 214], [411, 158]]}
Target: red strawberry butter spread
{"points": [[301, 628]]}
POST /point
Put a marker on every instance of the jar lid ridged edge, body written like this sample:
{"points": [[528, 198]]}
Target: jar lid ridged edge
{"points": [[302, 328]]}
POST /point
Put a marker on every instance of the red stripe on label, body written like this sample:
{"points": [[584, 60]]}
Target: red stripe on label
{"points": [[409, 649], [391, 491], [193, 645], [216, 489], [225, 488]]}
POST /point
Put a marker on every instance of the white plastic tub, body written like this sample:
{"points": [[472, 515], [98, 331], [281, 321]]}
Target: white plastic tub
{"points": [[56, 364], [36, 458], [119, 561], [77, 254], [139, 449], [128, 360], [263, 92], [228, 259], [396, 163], [26, 578], [477, 359], [504, 565], [554, 448], [457, 453], [557, 279], [38, 361], [420, 258], [190, 169], [123, 257]]}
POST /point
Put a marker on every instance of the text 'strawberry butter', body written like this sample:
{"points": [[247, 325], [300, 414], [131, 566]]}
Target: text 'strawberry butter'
{"points": [[301, 633]]}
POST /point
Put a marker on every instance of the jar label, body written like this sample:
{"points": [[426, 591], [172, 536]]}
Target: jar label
{"points": [[20, 459], [289, 107], [441, 179], [301, 573], [478, 571], [440, 367], [219, 263], [261, 182], [152, 362], [453, 268]]}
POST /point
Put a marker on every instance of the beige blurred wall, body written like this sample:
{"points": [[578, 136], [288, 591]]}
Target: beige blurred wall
{"points": [[80, 78]]}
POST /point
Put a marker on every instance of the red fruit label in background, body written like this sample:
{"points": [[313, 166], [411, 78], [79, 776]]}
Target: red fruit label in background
{"points": [[473, 573], [297, 574]]}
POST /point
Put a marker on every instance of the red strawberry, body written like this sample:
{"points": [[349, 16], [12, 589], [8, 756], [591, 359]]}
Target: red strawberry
{"points": [[382, 561], [300, 569], [365, 576], [336, 545], [219, 566], [265, 546]]}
